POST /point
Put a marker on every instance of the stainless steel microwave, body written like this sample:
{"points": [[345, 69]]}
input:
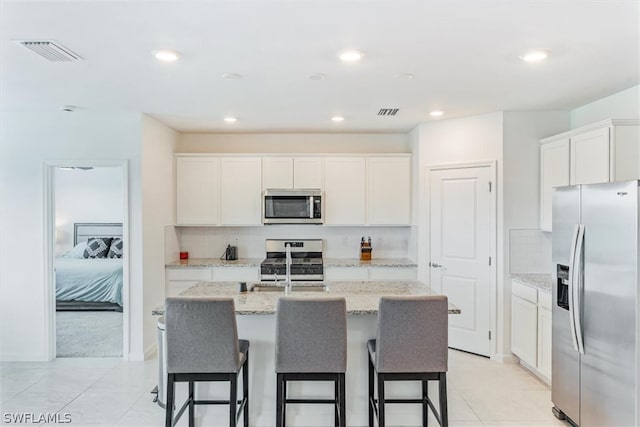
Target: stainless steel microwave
{"points": [[282, 206]]}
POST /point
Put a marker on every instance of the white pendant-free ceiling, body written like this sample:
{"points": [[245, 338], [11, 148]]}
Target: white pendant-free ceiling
{"points": [[463, 56]]}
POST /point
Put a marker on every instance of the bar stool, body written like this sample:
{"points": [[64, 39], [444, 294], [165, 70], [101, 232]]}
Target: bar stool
{"points": [[311, 345], [411, 345], [202, 345]]}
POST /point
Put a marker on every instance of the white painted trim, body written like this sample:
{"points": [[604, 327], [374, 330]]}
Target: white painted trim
{"points": [[505, 358], [493, 250], [297, 154], [49, 250], [589, 127], [151, 351]]}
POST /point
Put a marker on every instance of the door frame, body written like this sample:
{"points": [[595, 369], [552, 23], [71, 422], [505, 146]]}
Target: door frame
{"points": [[49, 168], [493, 238]]}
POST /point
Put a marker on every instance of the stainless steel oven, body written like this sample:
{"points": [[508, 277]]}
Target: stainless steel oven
{"points": [[282, 206]]}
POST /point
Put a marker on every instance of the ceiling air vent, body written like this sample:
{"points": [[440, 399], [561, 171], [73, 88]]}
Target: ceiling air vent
{"points": [[388, 111], [50, 50]]}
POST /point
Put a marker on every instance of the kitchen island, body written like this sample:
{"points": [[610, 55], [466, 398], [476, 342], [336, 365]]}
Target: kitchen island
{"points": [[256, 322]]}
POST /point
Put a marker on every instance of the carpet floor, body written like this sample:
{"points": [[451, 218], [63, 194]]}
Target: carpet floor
{"points": [[88, 334]]}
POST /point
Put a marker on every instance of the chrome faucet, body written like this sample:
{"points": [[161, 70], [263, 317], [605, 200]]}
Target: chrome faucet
{"points": [[288, 267]]}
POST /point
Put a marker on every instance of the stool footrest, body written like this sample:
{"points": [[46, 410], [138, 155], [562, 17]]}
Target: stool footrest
{"points": [[310, 401]]}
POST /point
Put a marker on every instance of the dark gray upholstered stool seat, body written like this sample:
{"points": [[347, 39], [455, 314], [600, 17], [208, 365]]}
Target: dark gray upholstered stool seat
{"points": [[311, 345], [411, 345], [202, 345]]}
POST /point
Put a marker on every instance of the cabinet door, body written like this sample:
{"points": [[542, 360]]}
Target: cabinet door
{"points": [[234, 274], [307, 172], [544, 342], [392, 273], [277, 172], [590, 157], [388, 191], [346, 273], [626, 148], [344, 187], [197, 190], [524, 334], [241, 191], [554, 172]]}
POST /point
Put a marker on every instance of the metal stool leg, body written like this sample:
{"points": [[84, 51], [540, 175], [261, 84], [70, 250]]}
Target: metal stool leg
{"points": [[343, 401], [245, 391], [233, 400], [336, 406], [425, 405], [279, 401], [444, 415], [371, 391], [169, 402], [192, 406], [380, 400]]}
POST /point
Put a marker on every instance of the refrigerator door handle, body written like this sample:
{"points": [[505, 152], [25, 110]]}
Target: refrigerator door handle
{"points": [[578, 272], [572, 282]]}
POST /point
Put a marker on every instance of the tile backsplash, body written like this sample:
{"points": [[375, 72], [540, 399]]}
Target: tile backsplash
{"points": [[529, 252], [339, 242]]}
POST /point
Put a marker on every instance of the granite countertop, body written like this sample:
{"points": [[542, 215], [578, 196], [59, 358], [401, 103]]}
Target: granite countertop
{"points": [[376, 262], [362, 297], [214, 262], [255, 262], [543, 282]]}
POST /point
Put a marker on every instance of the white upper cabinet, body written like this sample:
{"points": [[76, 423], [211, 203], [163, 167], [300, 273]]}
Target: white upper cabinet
{"points": [[241, 191], [389, 190], [601, 152], [590, 157], [291, 172], [554, 172], [307, 172], [277, 172], [197, 190], [344, 187]]}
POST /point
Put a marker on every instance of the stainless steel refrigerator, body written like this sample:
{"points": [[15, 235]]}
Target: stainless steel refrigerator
{"points": [[595, 317]]}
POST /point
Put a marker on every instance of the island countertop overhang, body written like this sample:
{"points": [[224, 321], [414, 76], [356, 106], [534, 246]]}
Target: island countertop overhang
{"points": [[362, 298]]}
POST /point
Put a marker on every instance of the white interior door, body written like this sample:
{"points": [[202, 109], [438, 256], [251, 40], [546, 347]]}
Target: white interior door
{"points": [[460, 250]]}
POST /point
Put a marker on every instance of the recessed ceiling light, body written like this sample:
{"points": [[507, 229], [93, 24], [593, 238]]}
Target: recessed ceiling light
{"points": [[436, 113], [69, 108], [534, 56], [351, 55], [230, 119], [337, 119], [317, 76], [232, 76], [166, 55]]}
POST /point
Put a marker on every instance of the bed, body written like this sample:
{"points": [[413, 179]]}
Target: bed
{"points": [[90, 283]]}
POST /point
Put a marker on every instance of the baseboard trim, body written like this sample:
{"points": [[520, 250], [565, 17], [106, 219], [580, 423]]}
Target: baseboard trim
{"points": [[24, 357], [151, 351], [504, 358]]}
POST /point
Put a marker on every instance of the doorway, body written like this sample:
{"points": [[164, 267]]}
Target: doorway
{"points": [[87, 258], [462, 250]]}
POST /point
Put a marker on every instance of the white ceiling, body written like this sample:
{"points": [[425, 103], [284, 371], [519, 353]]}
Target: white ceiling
{"points": [[464, 55]]}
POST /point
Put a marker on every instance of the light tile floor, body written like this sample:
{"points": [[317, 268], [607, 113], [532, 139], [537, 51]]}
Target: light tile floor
{"points": [[114, 392]]}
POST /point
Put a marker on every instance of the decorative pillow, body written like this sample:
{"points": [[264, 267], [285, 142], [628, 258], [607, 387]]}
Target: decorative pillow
{"points": [[76, 252], [97, 247], [115, 250]]}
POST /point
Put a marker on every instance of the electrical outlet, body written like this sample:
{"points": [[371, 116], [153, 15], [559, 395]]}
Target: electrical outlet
{"points": [[345, 241], [379, 241], [235, 240]]}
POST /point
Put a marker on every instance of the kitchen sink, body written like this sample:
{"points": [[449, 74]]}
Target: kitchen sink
{"points": [[270, 287]]}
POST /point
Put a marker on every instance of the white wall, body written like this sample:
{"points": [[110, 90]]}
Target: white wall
{"points": [[521, 191], [27, 141], [158, 145], [470, 139], [294, 143], [93, 195], [621, 105], [339, 242]]}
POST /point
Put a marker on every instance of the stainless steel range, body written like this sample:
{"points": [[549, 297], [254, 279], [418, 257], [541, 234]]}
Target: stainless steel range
{"points": [[306, 260]]}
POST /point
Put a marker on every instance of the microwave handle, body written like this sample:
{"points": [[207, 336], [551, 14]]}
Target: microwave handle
{"points": [[311, 207]]}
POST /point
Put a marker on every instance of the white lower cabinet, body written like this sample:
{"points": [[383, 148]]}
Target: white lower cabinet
{"points": [[181, 279], [531, 328], [370, 273]]}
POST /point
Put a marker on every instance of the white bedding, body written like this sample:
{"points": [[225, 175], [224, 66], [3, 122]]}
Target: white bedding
{"points": [[89, 279]]}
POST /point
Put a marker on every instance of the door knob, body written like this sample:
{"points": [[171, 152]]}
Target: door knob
{"points": [[436, 265]]}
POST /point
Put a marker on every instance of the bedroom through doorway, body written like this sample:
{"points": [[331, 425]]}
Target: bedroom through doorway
{"points": [[89, 211]]}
